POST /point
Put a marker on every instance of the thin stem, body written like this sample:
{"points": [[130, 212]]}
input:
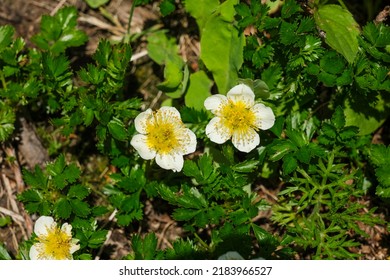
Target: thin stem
{"points": [[342, 4], [127, 37], [204, 244]]}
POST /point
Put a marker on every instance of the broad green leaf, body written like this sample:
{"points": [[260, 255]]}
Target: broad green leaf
{"points": [[198, 90], [96, 3], [222, 49], [62, 208], [259, 87], [173, 74], [80, 208], [341, 29], [201, 10], [363, 119]]}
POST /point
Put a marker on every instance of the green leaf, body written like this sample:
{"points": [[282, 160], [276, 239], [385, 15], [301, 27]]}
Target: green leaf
{"points": [[338, 118], [383, 175], [367, 118], [117, 129], [198, 90], [7, 119], [5, 221], [380, 155], [341, 29], [280, 149], [246, 166], [62, 208], [289, 164], [222, 51], [78, 191], [96, 3], [80, 208], [97, 238], [201, 10], [6, 33], [4, 255], [144, 249], [167, 7]]}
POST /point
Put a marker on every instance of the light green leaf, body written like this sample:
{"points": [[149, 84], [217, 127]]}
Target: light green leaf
{"points": [[222, 52], [201, 10], [96, 3], [341, 29], [364, 119], [198, 90]]}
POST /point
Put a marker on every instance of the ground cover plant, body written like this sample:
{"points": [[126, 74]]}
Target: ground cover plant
{"points": [[217, 130]]}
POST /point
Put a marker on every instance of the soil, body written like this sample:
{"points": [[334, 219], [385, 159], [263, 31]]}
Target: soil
{"points": [[29, 149]]}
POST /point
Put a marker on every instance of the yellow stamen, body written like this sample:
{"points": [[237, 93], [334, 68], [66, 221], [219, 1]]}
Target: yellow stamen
{"points": [[163, 133], [56, 244], [237, 117]]}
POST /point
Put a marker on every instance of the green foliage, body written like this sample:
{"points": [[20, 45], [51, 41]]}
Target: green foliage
{"points": [[341, 29], [59, 32], [326, 81], [380, 158]]}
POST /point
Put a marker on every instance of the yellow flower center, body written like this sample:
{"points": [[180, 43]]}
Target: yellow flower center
{"points": [[163, 133], [56, 244], [237, 117]]}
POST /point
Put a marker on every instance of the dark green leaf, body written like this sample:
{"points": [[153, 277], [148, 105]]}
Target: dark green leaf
{"points": [[117, 129], [80, 208], [6, 33], [62, 208], [289, 164], [78, 191]]}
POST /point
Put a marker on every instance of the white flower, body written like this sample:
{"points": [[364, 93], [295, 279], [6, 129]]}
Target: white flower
{"points": [[54, 243], [238, 117], [163, 136]]}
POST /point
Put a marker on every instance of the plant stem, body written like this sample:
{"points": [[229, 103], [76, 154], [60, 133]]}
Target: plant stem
{"points": [[342, 4], [127, 37], [204, 244]]}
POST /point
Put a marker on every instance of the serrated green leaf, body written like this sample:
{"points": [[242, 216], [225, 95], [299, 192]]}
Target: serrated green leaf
{"points": [[341, 29], [246, 166], [289, 164], [303, 154], [97, 238], [35, 179], [78, 191], [7, 119], [338, 118], [185, 214], [80, 208], [297, 137], [62, 208], [144, 249], [198, 90], [6, 33], [380, 155], [383, 192], [383, 175]]}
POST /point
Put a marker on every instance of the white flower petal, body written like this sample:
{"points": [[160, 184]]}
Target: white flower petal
{"points": [[169, 113], [43, 224], [246, 143], [231, 255], [265, 117], [243, 93], [74, 246], [142, 119], [190, 142], [217, 132], [139, 142], [172, 162], [67, 228], [214, 102], [34, 252]]}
